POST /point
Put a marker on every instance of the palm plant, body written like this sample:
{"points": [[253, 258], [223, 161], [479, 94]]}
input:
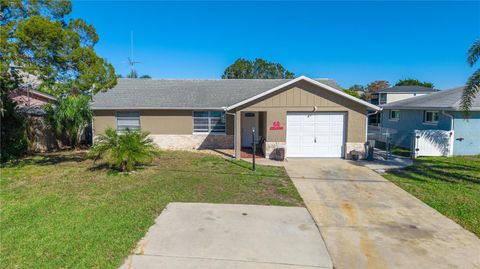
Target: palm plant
{"points": [[69, 117], [473, 84], [124, 151]]}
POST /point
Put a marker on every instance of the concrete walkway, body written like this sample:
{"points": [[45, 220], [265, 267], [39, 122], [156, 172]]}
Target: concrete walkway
{"points": [[193, 235], [381, 163], [368, 222]]}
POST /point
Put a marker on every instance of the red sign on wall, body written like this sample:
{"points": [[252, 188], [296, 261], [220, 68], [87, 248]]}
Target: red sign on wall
{"points": [[276, 126]]}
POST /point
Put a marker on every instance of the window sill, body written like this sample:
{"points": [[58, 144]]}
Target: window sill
{"points": [[430, 123], [393, 119]]}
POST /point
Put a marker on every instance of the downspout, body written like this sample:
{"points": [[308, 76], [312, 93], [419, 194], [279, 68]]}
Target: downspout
{"points": [[366, 122], [452, 122], [234, 127]]}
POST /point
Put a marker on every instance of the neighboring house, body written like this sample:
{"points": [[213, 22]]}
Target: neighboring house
{"points": [[398, 93], [30, 103], [437, 111], [300, 117], [31, 98], [393, 94]]}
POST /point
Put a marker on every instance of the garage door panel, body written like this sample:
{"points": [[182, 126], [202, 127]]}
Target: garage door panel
{"points": [[295, 143], [315, 134]]}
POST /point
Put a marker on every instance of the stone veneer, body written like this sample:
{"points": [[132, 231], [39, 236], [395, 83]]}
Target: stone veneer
{"points": [[194, 141], [273, 150], [350, 146]]}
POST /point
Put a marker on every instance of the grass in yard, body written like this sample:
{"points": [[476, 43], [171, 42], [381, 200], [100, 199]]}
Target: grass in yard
{"points": [[451, 185], [60, 211]]}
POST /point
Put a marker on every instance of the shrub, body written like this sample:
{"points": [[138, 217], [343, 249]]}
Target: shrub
{"points": [[124, 151], [69, 117]]}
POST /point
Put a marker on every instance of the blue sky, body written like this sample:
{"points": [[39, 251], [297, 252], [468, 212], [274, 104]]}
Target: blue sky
{"points": [[352, 42]]}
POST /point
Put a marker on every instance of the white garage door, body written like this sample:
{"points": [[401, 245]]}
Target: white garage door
{"points": [[315, 134]]}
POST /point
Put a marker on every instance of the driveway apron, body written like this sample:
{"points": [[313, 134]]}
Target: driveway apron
{"points": [[368, 222]]}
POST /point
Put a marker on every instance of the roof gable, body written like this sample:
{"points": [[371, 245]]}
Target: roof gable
{"points": [[303, 78]]}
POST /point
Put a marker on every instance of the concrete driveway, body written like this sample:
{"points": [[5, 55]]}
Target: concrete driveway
{"points": [[194, 235], [368, 222]]}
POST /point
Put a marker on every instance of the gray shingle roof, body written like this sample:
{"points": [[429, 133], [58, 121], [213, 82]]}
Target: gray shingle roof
{"points": [[447, 99], [408, 89], [165, 93]]}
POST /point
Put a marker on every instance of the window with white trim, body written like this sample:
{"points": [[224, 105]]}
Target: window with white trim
{"points": [[383, 98], [431, 117], [394, 115], [209, 122], [128, 120]]}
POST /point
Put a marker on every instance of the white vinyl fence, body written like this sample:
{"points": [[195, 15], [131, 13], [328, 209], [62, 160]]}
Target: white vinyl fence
{"points": [[433, 143]]}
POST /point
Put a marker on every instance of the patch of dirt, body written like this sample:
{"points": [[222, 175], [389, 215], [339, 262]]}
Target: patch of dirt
{"points": [[367, 245], [270, 189]]}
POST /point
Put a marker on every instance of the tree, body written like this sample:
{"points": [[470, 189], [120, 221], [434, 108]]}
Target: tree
{"points": [[377, 85], [36, 38], [257, 69], [413, 82], [473, 84], [357, 87], [13, 136], [70, 116], [145, 77], [124, 151], [353, 93]]}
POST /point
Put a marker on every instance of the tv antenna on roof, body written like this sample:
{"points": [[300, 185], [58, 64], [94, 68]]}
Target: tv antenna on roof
{"points": [[130, 60]]}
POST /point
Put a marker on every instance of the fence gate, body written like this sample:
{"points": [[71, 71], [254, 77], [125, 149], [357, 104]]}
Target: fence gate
{"points": [[433, 143]]}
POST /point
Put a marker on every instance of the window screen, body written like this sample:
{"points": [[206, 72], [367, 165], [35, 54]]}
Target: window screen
{"points": [[130, 120], [209, 122]]}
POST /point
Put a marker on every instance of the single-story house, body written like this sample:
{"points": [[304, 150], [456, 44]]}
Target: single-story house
{"points": [[436, 111], [299, 117]]}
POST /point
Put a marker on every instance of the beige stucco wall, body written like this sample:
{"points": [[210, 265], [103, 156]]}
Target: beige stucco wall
{"points": [[173, 122], [166, 121], [102, 119]]}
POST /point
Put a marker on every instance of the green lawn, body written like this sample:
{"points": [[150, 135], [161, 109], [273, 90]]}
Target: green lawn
{"points": [[451, 185], [61, 211]]}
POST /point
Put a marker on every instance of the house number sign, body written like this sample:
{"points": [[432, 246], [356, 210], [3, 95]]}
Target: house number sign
{"points": [[276, 126]]}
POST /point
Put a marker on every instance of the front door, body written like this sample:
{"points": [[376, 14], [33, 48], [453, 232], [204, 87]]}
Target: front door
{"points": [[249, 121]]}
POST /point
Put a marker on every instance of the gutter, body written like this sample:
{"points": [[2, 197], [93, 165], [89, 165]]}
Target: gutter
{"points": [[157, 108]]}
